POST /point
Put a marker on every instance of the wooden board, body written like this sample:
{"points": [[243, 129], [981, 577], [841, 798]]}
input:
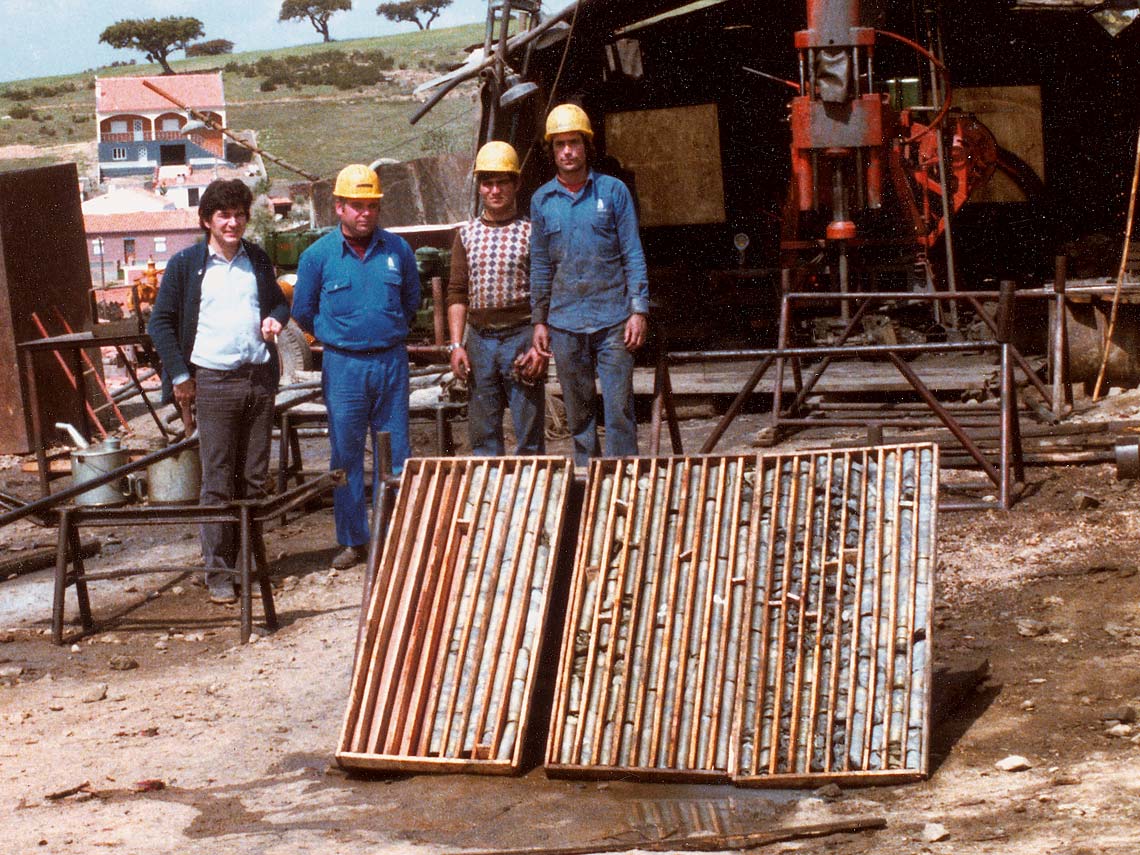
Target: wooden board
{"points": [[445, 672], [674, 157]]}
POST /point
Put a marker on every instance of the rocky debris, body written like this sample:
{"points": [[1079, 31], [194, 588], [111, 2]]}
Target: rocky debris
{"points": [[1130, 635], [1085, 502], [1028, 705], [1123, 715], [96, 693], [932, 832], [829, 792], [1031, 628], [10, 672], [1013, 763], [7, 637], [1119, 731], [1064, 779], [123, 663]]}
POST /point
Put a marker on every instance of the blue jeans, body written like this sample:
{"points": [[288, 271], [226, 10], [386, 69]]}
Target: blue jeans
{"points": [[492, 355], [577, 357], [364, 393]]}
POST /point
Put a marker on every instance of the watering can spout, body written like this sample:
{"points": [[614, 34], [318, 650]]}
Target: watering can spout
{"points": [[75, 435]]}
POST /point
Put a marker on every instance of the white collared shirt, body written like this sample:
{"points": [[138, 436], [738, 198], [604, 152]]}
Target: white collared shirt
{"points": [[229, 316]]}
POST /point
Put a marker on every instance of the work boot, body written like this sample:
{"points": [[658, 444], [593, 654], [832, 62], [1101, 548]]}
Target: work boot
{"points": [[350, 556], [221, 589]]}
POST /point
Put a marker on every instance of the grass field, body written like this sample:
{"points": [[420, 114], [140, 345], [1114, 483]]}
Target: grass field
{"points": [[317, 128]]}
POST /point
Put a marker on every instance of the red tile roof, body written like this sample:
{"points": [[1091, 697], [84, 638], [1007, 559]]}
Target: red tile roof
{"points": [[127, 94], [141, 222]]}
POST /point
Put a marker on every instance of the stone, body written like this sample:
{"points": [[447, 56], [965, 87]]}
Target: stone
{"points": [[1119, 731], [1085, 502], [1013, 763], [1031, 628], [932, 832], [9, 671], [95, 694], [123, 663], [829, 791], [7, 637], [1124, 715]]}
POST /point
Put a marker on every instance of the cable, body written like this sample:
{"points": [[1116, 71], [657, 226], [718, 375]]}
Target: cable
{"points": [[557, 77]]}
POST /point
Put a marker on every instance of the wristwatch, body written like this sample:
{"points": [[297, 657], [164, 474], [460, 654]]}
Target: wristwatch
{"points": [[454, 346]]}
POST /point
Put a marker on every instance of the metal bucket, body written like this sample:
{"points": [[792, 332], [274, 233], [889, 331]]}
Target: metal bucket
{"points": [[175, 480], [89, 463]]}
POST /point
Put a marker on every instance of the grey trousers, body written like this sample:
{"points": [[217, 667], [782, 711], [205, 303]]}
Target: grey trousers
{"points": [[235, 425]]}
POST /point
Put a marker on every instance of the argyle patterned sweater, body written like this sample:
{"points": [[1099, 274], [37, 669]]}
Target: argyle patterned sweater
{"points": [[490, 272]]}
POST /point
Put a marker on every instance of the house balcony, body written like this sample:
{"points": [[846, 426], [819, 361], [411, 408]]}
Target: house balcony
{"points": [[145, 136]]}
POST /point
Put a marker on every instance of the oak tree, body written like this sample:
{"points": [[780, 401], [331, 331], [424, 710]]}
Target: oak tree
{"points": [[156, 37], [411, 10], [316, 12]]}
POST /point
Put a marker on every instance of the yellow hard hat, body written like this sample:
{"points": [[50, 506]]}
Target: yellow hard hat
{"points": [[567, 119], [357, 181], [497, 157]]}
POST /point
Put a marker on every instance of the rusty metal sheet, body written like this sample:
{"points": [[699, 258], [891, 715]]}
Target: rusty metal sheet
{"points": [[712, 623], [445, 673]]}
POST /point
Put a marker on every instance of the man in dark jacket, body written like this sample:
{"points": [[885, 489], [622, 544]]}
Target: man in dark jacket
{"points": [[218, 312]]}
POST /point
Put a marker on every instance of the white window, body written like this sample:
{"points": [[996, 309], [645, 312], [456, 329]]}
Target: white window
{"points": [[97, 246], [118, 154], [118, 126], [160, 244], [170, 125]]}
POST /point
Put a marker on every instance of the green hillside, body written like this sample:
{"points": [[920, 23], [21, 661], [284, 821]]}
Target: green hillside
{"points": [[360, 113]]}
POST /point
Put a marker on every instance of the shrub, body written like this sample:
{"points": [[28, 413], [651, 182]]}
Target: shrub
{"points": [[17, 94], [22, 111], [268, 86], [212, 47]]}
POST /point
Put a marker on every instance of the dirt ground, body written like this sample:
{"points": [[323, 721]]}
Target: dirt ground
{"points": [[208, 746]]}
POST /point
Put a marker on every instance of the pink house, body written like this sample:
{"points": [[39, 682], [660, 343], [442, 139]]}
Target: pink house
{"points": [[119, 240]]}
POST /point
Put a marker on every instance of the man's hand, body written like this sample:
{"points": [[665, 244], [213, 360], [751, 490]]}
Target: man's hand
{"points": [[185, 392], [635, 329], [460, 364], [541, 340], [531, 366], [270, 327]]}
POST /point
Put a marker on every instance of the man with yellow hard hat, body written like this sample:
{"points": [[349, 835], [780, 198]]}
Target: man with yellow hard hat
{"points": [[358, 291], [488, 297], [589, 286]]}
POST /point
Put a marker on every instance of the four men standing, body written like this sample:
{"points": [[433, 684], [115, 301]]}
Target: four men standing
{"points": [[576, 268], [358, 291]]}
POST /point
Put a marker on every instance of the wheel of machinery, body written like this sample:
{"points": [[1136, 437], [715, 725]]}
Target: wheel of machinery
{"points": [[293, 351]]}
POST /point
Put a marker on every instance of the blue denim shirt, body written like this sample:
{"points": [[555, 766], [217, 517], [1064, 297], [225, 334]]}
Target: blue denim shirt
{"points": [[354, 303], [587, 268]]}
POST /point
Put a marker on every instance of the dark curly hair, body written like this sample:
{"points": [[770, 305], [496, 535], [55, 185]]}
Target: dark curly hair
{"points": [[223, 195]]}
